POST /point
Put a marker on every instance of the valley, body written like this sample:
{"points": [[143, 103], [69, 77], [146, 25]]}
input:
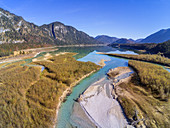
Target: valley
{"points": [[54, 75], [52, 93], [37, 93]]}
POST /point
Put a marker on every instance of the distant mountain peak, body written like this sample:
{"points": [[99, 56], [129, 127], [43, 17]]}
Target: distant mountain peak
{"points": [[14, 29], [124, 41], [106, 39], [158, 37]]}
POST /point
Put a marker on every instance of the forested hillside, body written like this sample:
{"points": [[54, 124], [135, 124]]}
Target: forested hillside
{"points": [[158, 37], [152, 48], [14, 29]]}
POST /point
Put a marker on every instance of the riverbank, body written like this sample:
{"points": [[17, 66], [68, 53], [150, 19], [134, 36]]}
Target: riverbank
{"points": [[68, 91], [38, 93], [81, 45], [100, 104], [142, 106], [154, 58], [29, 53]]}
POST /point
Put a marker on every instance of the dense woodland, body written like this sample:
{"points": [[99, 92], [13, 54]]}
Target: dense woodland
{"points": [[29, 97], [155, 58], [8, 48], [151, 48]]}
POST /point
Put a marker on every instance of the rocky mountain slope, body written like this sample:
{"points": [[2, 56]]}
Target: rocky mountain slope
{"points": [[14, 29], [67, 34], [158, 37]]}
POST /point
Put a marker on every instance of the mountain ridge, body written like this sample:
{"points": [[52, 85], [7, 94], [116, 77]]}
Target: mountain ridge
{"points": [[14, 29], [106, 39], [124, 41], [158, 37]]}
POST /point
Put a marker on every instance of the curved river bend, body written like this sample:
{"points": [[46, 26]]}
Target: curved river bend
{"points": [[64, 120], [88, 54]]}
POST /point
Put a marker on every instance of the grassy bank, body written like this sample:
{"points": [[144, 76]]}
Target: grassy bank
{"points": [[29, 97], [144, 57], [7, 49], [145, 98], [153, 77]]}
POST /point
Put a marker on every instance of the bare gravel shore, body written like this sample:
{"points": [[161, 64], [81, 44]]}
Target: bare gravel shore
{"points": [[99, 101], [102, 108]]}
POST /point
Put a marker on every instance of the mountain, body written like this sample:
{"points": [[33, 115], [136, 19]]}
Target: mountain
{"points": [[131, 39], [162, 48], [106, 39], [153, 48], [14, 29], [158, 37], [67, 34], [138, 40], [123, 41]]}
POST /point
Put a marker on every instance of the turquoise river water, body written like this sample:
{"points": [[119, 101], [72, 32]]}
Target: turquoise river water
{"points": [[85, 54], [64, 120]]}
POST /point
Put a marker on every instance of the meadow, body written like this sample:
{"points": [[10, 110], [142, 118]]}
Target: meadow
{"points": [[29, 97], [145, 98]]}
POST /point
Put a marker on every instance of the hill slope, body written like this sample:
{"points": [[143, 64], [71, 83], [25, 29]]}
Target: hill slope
{"points": [[67, 34], [152, 48], [163, 48], [14, 29], [106, 39], [123, 41], [158, 37]]}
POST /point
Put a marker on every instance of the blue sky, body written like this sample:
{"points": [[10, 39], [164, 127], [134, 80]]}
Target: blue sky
{"points": [[119, 18]]}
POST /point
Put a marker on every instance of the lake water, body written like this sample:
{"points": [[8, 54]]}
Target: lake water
{"points": [[65, 111]]}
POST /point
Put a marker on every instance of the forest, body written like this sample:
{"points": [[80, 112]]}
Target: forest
{"points": [[149, 48], [29, 97], [7, 49]]}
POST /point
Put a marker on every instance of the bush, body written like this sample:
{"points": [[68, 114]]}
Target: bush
{"points": [[153, 77]]}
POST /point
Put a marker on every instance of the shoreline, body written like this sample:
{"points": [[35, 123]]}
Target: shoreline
{"points": [[37, 51], [102, 62], [68, 91], [82, 45], [29, 55], [91, 94], [138, 59]]}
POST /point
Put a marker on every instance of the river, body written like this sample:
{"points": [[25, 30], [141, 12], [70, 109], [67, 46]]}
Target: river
{"points": [[85, 54], [64, 120]]}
